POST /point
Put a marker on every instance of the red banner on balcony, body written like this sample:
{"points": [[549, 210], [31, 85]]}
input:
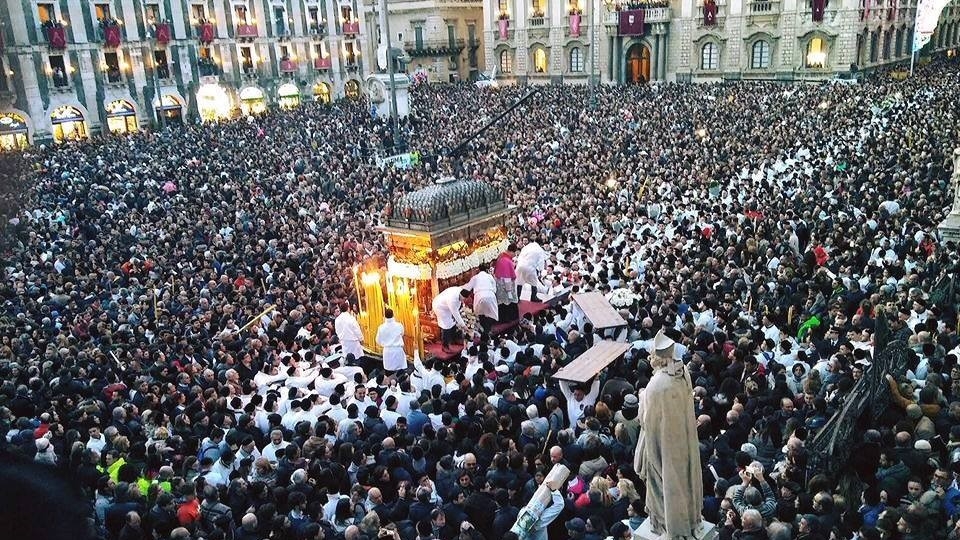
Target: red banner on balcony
{"points": [[57, 37], [206, 33], [351, 27], [111, 36], [575, 24], [710, 13], [246, 30], [322, 63], [504, 28], [631, 22], [892, 11], [819, 6], [163, 33], [288, 66]]}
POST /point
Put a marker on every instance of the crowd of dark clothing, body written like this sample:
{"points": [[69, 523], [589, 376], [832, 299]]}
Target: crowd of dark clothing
{"points": [[765, 227]]}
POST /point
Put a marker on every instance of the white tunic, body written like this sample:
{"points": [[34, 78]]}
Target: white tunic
{"points": [[390, 337], [530, 261], [484, 288], [349, 333], [446, 306]]}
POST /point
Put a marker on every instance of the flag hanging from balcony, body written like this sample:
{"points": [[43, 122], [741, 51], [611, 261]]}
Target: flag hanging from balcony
{"points": [[111, 35], [819, 6], [892, 14], [163, 33], [57, 37], [865, 12], [206, 33], [631, 22], [710, 13]]}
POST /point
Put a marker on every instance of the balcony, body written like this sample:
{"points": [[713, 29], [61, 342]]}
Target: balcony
{"points": [[504, 28], [351, 28], [714, 18], [826, 16], [351, 65], [288, 66], [321, 64], [434, 48], [577, 24], [651, 15], [763, 11], [161, 32], [206, 32], [56, 35], [207, 67], [247, 31], [537, 21], [249, 70], [110, 33], [317, 30]]}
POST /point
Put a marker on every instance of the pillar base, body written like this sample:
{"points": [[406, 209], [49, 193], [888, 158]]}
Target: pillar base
{"points": [[706, 531], [950, 229]]}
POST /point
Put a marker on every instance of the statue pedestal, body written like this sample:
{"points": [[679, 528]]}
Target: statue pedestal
{"points": [[950, 228], [707, 531], [378, 92]]}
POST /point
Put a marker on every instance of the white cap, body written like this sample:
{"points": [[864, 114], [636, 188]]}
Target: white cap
{"points": [[663, 344]]}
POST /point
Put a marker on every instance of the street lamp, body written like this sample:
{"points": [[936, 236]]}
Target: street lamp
{"points": [[610, 5]]}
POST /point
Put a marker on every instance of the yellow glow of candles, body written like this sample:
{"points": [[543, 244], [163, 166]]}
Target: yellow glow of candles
{"points": [[373, 296]]}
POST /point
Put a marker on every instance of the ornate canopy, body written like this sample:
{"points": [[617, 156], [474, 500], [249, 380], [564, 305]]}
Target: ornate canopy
{"points": [[447, 203]]}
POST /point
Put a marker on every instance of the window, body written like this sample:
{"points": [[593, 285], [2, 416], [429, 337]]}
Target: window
{"points": [[541, 62], [886, 44], [351, 54], [318, 50], [874, 46], [205, 53], [313, 16], [160, 61], [198, 13], [45, 13], [153, 13], [898, 48], [111, 65], [418, 37], [760, 55], [451, 35], [3, 83], [502, 6], [246, 59], [346, 13], [710, 57], [538, 8], [280, 20], [240, 14], [816, 53], [506, 62], [58, 69], [103, 11], [284, 52], [576, 60]]}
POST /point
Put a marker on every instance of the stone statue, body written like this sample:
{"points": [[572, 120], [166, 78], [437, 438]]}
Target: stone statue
{"points": [[668, 453]]}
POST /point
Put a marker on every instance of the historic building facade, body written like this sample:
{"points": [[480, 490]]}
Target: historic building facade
{"points": [[532, 41], [75, 67], [442, 39]]}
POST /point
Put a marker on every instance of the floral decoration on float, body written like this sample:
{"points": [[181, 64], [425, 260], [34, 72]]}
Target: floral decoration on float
{"points": [[622, 298]]}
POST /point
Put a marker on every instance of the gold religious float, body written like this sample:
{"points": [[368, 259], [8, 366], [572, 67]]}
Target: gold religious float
{"points": [[438, 236]]}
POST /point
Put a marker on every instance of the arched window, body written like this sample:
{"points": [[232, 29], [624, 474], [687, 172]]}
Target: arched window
{"points": [[541, 62], [710, 57], [816, 53], [506, 62], [887, 38], [576, 60], [898, 44], [760, 55], [874, 46]]}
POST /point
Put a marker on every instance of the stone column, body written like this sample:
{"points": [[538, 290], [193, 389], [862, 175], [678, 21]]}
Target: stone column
{"points": [[655, 57], [950, 227], [662, 59]]}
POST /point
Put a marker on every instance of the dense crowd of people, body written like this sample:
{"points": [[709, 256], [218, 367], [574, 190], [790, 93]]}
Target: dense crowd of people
{"points": [[766, 228]]}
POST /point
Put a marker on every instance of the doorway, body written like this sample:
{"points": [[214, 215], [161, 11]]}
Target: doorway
{"points": [[638, 64]]}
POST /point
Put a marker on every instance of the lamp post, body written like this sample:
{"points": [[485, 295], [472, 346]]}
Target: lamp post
{"points": [[158, 110], [610, 5], [394, 121]]}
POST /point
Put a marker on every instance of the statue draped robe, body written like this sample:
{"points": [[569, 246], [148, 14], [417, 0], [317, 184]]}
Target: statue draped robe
{"points": [[668, 454]]}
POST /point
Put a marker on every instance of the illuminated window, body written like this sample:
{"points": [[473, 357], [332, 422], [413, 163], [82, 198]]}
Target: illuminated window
{"points": [[816, 53], [45, 13], [709, 56], [103, 11], [540, 61]]}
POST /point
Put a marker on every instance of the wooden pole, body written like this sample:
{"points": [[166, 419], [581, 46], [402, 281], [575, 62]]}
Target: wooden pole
{"points": [[257, 318]]}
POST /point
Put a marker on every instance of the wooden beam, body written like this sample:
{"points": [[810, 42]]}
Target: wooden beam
{"points": [[599, 311], [588, 364]]}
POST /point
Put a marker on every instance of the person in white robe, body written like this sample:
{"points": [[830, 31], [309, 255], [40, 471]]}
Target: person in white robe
{"points": [[484, 288], [446, 307], [530, 262], [349, 333], [390, 337]]}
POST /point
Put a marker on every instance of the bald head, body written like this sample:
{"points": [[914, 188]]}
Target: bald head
{"points": [[375, 495], [389, 443], [249, 522], [903, 438], [556, 454]]}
